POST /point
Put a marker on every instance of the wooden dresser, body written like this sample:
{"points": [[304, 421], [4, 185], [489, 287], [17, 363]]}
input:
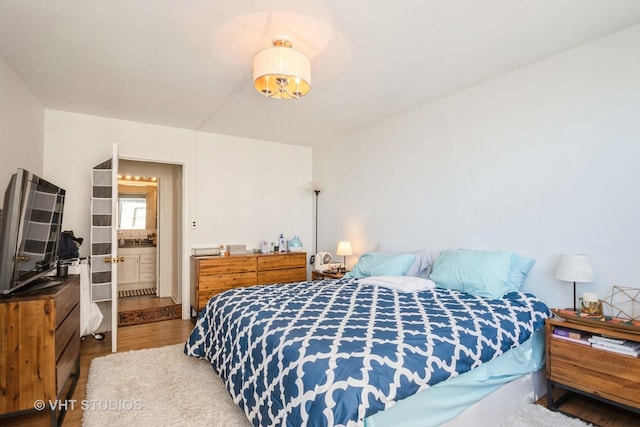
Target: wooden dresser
{"points": [[211, 275], [39, 347]]}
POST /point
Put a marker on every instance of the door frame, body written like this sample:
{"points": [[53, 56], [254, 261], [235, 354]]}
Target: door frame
{"points": [[171, 178]]}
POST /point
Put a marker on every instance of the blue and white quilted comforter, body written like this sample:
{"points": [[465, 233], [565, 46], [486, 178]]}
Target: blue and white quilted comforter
{"points": [[335, 352]]}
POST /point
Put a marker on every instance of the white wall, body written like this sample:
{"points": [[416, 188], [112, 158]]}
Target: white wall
{"points": [[237, 190], [542, 161], [252, 190], [21, 127]]}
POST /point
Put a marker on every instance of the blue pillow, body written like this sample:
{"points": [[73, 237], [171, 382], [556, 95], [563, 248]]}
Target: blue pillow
{"points": [[380, 264], [482, 273], [520, 268]]}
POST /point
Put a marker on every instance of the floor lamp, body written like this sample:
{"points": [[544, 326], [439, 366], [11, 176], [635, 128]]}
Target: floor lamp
{"points": [[316, 189]]}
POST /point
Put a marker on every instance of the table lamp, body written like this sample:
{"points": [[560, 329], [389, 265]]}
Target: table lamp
{"points": [[344, 249], [574, 268]]}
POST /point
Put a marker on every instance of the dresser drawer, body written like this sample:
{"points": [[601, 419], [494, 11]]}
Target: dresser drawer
{"points": [[66, 362], [69, 328], [279, 262], [224, 282], [65, 302], [282, 276], [204, 297], [226, 265]]}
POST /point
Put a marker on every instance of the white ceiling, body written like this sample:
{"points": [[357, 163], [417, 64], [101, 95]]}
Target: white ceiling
{"points": [[188, 63]]}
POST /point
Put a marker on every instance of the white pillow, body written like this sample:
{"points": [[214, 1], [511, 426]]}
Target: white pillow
{"points": [[421, 266], [399, 283]]}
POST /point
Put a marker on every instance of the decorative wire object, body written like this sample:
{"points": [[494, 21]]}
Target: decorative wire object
{"points": [[623, 302]]}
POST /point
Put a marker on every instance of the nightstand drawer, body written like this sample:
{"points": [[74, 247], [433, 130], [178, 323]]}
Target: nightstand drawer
{"points": [[600, 372]]}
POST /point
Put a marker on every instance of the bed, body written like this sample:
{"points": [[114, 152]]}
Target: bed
{"points": [[345, 352]]}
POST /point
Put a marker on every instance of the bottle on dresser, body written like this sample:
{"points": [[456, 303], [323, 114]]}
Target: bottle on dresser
{"points": [[282, 244]]}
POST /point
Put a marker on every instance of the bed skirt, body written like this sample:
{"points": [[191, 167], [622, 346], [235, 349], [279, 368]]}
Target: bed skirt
{"points": [[446, 401]]}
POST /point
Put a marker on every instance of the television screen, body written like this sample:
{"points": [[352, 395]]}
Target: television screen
{"points": [[30, 230]]}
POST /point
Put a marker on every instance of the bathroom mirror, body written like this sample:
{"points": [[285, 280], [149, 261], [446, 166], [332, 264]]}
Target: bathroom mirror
{"points": [[137, 203]]}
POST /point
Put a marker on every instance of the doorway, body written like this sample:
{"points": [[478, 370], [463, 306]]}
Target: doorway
{"points": [[149, 236]]}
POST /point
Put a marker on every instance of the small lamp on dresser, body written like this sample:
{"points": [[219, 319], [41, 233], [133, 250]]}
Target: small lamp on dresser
{"points": [[344, 250], [574, 268]]}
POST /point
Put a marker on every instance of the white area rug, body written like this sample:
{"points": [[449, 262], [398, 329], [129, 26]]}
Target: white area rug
{"points": [[157, 387], [163, 387], [537, 416]]}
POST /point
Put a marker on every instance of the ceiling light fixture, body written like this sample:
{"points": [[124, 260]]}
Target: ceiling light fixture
{"points": [[281, 72]]}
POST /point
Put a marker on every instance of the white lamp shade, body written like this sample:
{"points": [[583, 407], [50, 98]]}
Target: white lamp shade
{"points": [[574, 268], [315, 186], [344, 248], [280, 62]]}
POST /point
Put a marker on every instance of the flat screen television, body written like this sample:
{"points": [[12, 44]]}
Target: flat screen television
{"points": [[30, 224]]}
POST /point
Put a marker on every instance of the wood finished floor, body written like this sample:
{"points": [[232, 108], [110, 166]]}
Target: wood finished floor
{"points": [[595, 411], [176, 331]]}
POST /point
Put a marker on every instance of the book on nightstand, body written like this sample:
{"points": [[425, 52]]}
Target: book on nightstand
{"points": [[631, 348], [571, 335]]}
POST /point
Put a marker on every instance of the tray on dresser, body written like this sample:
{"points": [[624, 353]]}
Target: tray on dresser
{"points": [[617, 323]]}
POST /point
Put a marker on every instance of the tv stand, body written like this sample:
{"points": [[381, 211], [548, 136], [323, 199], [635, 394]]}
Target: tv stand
{"points": [[39, 348]]}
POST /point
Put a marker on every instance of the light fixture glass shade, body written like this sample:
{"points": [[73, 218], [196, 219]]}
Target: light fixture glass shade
{"points": [[574, 268], [344, 248], [281, 72]]}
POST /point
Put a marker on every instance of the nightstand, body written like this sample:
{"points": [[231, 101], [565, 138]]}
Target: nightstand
{"points": [[575, 366], [320, 275]]}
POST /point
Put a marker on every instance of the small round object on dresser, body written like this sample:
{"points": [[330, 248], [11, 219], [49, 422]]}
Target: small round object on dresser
{"points": [[295, 244]]}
